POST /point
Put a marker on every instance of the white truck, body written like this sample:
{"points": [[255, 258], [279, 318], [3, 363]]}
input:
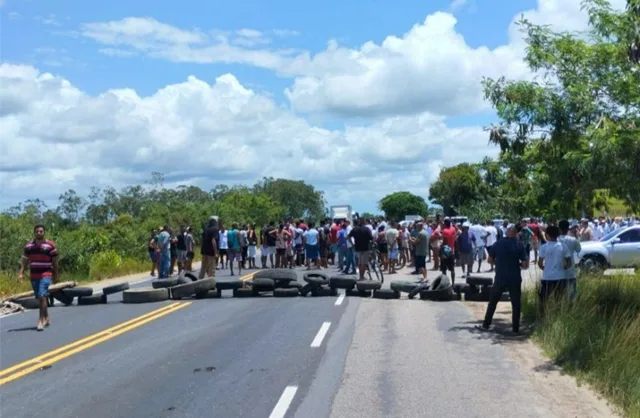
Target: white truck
{"points": [[341, 212]]}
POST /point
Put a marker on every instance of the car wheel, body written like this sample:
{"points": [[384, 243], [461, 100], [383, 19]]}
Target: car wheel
{"points": [[592, 264]]}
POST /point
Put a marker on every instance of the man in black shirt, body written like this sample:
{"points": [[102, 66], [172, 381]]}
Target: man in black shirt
{"points": [[209, 249], [363, 239], [509, 257], [270, 240]]}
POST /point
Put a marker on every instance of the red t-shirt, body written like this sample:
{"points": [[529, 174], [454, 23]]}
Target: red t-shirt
{"points": [[449, 237], [40, 256], [303, 226], [334, 233], [535, 228]]}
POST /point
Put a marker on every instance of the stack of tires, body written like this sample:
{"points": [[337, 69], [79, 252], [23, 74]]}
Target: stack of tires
{"points": [[319, 284], [281, 283], [67, 296], [477, 289], [440, 289], [185, 285]]}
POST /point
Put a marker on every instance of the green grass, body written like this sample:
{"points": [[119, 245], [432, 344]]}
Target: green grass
{"points": [[596, 337]]}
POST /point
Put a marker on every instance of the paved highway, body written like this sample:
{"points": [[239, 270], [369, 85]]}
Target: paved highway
{"points": [[259, 357]]}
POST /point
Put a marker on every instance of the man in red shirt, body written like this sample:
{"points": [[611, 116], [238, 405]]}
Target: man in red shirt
{"points": [[449, 234], [333, 238], [41, 256], [448, 263]]}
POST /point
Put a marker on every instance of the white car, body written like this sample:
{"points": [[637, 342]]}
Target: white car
{"points": [[617, 249]]}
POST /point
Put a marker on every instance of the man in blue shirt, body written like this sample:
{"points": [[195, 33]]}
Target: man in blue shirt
{"points": [[509, 257]]}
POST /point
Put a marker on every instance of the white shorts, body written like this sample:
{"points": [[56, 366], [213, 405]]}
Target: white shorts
{"points": [[251, 253], [266, 251]]}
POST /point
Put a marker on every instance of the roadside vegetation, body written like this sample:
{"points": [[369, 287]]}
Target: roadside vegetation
{"points": [[596, 336], [105, 234]]}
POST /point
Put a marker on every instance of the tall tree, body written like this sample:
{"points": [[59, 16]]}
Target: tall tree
{"points": [[400, 204], [296, 197], [578, 123], [456, 187]]}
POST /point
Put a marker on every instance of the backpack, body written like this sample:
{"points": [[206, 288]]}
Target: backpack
{"points": [[446, 252]]}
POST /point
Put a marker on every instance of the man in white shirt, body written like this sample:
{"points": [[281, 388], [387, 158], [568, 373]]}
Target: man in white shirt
{"points": [[480, 234], [573, 245], [492, 237], [553, 259]]}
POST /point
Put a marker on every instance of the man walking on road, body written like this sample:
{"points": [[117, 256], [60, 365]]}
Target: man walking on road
{"points": [[41, 256], [509, 257], [235, 248]]}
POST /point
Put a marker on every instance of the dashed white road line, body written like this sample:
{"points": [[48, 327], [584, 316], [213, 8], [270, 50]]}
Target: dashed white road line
{"points": [[284, 402], [322, 332], [340, 299]]}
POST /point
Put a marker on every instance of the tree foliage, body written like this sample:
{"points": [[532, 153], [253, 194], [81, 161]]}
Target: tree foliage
{"points": [[120, 221], [400, 204], [575, 129], [456, 187]]}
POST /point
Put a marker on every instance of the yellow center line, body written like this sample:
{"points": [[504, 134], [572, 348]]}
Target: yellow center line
{"points": [[85, 343]]}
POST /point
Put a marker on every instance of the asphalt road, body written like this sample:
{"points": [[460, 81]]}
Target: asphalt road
{"points": [[265, 357]]}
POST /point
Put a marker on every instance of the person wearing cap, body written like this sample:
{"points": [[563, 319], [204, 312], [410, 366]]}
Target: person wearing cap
{"points": [[510, 258]]}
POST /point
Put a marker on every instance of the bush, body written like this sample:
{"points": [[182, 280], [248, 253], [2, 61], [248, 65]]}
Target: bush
{"points": [[596, 336]]}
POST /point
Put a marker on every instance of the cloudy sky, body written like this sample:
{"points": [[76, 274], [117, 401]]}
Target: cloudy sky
{"points": [[358, 98]]}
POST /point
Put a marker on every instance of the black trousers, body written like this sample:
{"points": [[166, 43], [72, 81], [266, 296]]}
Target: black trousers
{"points": [[515, 293]]}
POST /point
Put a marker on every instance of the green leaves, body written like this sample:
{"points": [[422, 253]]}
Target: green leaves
{"points": [[400, 204]]}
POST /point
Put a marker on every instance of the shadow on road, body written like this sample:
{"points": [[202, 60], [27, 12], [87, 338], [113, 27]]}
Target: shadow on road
{"points": [[22, 329], [500, 332]]}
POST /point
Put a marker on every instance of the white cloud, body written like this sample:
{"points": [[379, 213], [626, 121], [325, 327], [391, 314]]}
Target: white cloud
{"points": [[50, 20], [430, 68], [206, 133], [457, 4]]}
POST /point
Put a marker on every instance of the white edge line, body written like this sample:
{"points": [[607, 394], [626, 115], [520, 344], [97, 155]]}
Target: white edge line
{"points": [[284, 402], [322, 332], [340, 299]]}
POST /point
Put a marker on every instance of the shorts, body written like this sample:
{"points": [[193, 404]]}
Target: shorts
{"points": [[421, 262], [362, 257], [465, 259], [153, 256], [252, 251], [299, 249], [41, 287], [393, 254], [190, 255], [447, 264], [383, 248], [234, 254], [334, 248], [181, 255], [312, 252], [281, 251], [272, 250], [289, 252], [478, 253], [557, 288], [223, 251]]}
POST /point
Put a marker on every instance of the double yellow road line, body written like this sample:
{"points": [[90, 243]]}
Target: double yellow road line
{"points": [[22, 369]]}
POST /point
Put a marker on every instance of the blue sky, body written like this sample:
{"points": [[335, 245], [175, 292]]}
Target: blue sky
{"points": [[51, 36]]}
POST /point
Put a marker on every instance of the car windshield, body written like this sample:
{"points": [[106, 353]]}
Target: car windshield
{"points": [[610, 235]]}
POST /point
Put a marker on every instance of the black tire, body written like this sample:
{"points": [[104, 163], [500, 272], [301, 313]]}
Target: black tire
{"points": [[593, 264], [479, 281], [460, 288], [190, 276], [358, 293], [263, 285], [277, 275], [164, 283], [28, 303], [285, 292], [456, 296], [368, 285], [243, 292], [116, 288], [78, 292], [92, 300], [50, 301], [145, 295], [319, 279], [472, 290], [209, 294], [405, 286], [476, 297], [386, 294], [343, 282], [190, 289], [308, 288], [324, 291], [441, 295], [402, 262], [229, 284], [294, 285], [62, 298]]}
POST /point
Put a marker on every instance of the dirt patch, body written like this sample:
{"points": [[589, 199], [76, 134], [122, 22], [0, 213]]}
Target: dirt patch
{"points": [[561, 391]]}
